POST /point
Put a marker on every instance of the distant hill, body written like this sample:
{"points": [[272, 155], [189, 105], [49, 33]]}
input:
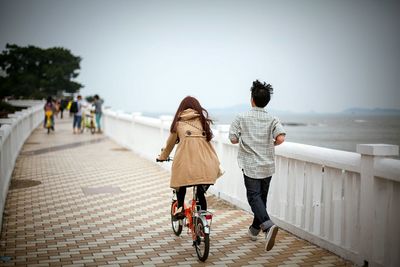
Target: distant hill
{"points": [[229, 110], [241, 108], [375, 111]]}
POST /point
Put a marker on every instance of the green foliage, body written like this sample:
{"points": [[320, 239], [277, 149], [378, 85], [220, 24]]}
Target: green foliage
{"points": [[33, 72], [90, 99], [6, 108]]}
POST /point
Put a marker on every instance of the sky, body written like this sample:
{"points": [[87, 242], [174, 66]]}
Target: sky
{"points": [[320, 56]]}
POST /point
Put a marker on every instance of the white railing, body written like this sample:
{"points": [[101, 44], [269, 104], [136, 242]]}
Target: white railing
{"points": [[13, 132], [345, 202]]}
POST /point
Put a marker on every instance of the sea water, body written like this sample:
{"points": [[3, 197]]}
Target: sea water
{"points": [[337, 131]]}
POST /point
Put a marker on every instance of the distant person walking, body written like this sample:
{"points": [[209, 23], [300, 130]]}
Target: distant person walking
{"points": [[257, 132], [98, 109], [63, 105], [49, 107], [70, 101], [76, 110], [57, 106]]}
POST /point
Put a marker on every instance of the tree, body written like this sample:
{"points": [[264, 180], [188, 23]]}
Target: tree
{"points": [[33, 72], [90, 99]]}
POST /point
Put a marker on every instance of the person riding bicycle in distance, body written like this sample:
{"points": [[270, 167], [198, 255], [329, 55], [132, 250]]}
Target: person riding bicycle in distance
{"points": [[195, 161], [50, 107]]}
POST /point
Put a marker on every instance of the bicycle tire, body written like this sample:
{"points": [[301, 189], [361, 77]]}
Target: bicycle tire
{"points": [[177, 225], [83, 125], [92, 128], [202, 242]]}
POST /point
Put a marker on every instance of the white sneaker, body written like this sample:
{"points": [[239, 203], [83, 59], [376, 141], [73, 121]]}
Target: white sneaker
{"points": [[252, 233], [270, 237]]}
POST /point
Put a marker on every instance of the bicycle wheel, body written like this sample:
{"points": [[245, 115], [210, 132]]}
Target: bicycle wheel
{"points": [[83, 124], [92, 128], [177, 225], [202, 242]]}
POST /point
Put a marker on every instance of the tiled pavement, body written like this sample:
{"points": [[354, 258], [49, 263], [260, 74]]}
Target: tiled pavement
{"points": [[58, 213]]}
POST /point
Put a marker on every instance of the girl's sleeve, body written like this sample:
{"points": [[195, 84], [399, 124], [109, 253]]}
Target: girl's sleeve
{"points": [[171, 141]]}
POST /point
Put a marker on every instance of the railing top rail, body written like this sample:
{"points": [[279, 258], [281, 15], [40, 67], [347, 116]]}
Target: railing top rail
{"points": [[25, 103], [5, 131], [147, 121], [138, 118], [344, 160], [387, 168]]}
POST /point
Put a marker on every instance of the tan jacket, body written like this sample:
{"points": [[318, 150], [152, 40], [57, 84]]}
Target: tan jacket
{"points": [[195, 161]]}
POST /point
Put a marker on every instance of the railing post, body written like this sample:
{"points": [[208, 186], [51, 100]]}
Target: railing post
{"points": [[369, 153], [133, 133], [164, 119], [222, 133]]}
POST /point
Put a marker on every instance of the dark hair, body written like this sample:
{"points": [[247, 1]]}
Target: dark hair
{"points": [[193, 103], [49, 99], [96, 97], [261, 93]]}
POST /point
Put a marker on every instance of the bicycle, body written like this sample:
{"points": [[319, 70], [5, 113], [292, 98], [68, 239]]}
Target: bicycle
{"points": [[88, 122], [196, 220]]}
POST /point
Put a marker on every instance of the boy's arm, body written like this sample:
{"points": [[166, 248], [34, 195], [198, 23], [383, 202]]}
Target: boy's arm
{"points": [[171, 141], [234, 131], [278, 132]]}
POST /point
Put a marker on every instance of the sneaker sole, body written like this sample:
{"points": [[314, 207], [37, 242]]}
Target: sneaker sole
{"points": [[271, 241], [252, 237]]}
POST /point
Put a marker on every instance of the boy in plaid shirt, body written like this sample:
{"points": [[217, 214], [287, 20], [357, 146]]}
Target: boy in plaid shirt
{"points": [[257, 132]]}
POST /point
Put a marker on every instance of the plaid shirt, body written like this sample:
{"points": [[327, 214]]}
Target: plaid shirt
{"points": [[256, 131]]}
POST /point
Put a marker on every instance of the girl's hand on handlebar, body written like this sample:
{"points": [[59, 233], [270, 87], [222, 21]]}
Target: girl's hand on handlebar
{"points": [[162, 160]]}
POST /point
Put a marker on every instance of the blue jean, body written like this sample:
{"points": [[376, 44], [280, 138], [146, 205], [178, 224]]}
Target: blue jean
{"points": [[98, 117], [77, 122], [257, 192]]}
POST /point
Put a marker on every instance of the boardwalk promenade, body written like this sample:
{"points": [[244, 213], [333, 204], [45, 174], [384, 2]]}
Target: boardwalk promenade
{"points": [[82, 200]]}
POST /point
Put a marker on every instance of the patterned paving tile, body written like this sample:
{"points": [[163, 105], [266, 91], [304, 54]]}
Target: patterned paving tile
{"points": [[54, 223]]}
